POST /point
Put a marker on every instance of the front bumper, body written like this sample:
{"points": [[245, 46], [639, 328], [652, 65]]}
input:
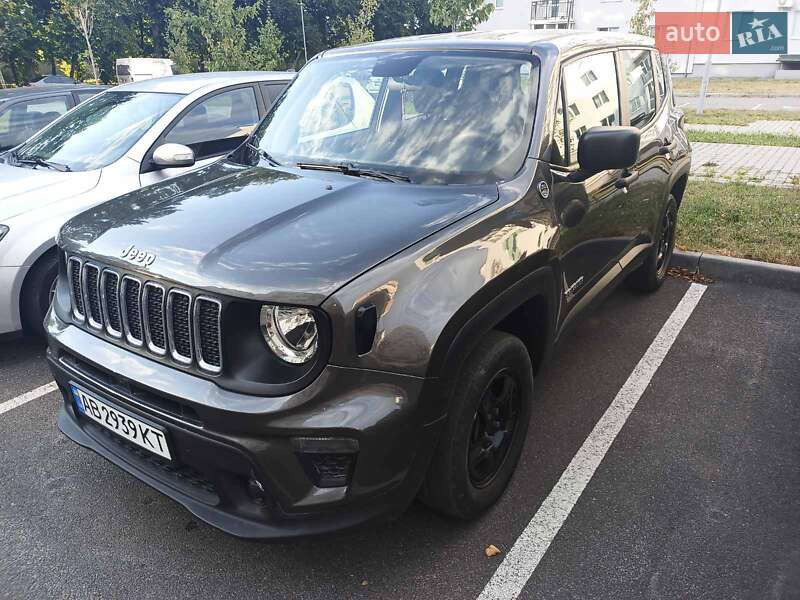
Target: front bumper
{"points": [[11, 279], [223, 441]]}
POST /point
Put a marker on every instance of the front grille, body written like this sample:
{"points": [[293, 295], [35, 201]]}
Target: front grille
{"points": [[146, 313]]}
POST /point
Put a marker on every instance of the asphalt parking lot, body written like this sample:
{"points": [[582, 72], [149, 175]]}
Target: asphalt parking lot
{"points": [[697, 495]]}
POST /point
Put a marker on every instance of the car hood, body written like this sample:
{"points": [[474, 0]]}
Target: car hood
{"points": [[268, 234], [23, 189]]}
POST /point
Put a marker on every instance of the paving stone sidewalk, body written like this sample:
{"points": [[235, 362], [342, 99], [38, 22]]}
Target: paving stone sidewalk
{"points": [[774, 127], [760, 165]]}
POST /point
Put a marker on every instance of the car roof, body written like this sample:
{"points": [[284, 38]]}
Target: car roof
{"points": [[45, 90], [186, 84], [519, 40]]}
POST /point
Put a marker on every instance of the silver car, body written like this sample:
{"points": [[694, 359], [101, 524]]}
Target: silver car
{"points": [[125, 138]]}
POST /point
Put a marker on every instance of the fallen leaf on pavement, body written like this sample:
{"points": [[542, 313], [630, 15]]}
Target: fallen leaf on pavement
{"points": [[492, 550]]}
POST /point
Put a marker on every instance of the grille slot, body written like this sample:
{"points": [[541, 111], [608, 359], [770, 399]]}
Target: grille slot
{"points": [[179, 321], [153, 310], [208, 334], [132, 310], [75, 290], [148, 314], [109, 289], [91, 289]]}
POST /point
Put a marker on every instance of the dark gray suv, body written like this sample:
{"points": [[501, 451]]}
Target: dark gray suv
{"points": [[350, 310]]}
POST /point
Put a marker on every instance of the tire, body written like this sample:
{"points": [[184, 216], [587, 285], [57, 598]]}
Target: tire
{"points": [[455, 485], [36, 293], [651, 274]]}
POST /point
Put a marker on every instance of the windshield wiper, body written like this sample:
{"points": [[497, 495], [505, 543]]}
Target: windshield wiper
{"points": [[264, 154], [350, 169], [40, 162]]}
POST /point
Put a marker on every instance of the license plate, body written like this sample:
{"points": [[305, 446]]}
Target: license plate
{"points": [[124, 425]]}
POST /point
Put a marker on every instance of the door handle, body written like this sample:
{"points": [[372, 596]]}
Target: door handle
{"points": [[626, 179]]}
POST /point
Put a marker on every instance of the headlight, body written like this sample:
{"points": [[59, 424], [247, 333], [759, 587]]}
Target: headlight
{"points": [[291, 333], [3, 231]]}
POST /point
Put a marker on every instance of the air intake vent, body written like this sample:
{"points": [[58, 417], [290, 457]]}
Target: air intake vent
{"points": [[91, 285], [76, 292], [110, 297], [179, 309], [154, 332], [208, 333], [132, 310]]}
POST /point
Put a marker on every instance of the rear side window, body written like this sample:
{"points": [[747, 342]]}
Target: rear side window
{"points": [[85, 95], [592, 99], [217, 125], [272, 91], [641, 86]]}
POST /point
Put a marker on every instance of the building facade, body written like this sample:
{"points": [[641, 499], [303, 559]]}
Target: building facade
{"points": [[614, 15]]}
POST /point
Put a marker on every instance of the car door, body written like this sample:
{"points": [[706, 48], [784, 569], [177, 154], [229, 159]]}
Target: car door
{"points": [[212, 127], [644, 107], [587, 208]]}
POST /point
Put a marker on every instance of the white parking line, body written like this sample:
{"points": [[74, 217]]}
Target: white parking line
{"points": [[756, 107], [521, 561], [27, 397]]}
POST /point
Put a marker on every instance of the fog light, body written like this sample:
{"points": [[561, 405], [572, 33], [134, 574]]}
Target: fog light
{"points": [[328, 462]]}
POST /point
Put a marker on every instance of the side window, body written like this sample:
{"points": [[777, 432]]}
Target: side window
{"points": [[559, 148], [272, 91], [29, 116], [86, 94], [217, 125], [641, 86], [592, 96]]}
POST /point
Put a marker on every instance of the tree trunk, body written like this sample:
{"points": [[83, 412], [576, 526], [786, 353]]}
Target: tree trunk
{"points": [[91, 54], [53, 64], [14, 73]]}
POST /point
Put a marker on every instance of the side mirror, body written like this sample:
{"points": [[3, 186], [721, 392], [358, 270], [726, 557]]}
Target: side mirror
{"points": [[173, 155], [604, 148]]}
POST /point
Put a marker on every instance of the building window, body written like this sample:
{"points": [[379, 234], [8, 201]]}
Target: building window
{"points": [[608, 29], [579, 132], [588, 77], [600, 99], [499, 4], [573, 110], [609, 120]]}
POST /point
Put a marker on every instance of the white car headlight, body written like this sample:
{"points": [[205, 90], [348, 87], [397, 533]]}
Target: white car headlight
{"points": [[291, 332], [3, 231]]}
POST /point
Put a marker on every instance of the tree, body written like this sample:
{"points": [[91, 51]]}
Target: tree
{"points": [[82, 13], [267, 55], [642, 20], [358, 29], [460, 15], [17, 42]]}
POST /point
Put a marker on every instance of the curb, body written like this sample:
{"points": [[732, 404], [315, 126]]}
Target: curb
{"points": [[727, 268]]}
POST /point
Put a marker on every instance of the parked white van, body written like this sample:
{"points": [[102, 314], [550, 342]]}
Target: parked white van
{"points": [[139, 69]]}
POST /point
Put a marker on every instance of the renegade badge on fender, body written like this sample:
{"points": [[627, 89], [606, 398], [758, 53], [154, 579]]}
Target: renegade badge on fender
{"points": [[349, 310]]}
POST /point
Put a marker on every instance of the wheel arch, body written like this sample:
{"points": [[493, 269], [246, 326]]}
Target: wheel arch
{"points": [[526, 307]]}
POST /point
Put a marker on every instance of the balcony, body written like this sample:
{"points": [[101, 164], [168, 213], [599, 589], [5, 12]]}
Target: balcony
{"points": [[555, 13]]}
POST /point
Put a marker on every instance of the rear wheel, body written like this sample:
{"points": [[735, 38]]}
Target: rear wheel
{"points": [[651, 274], [486, 428], [38, 292]]}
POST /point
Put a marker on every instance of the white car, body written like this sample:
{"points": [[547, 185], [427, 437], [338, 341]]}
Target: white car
{"points": [[125, 138]]}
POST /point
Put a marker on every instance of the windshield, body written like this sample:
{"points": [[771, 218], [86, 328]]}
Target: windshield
{"points": [[99, 131], [439, 117]]}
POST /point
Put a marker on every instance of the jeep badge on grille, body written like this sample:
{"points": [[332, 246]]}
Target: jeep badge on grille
{"points": [[133, 254]]}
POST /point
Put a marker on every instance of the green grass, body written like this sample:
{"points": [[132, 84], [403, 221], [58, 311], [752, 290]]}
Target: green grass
{"points": [[725, 116], [755, 139], [735, 219], [737, 87]]}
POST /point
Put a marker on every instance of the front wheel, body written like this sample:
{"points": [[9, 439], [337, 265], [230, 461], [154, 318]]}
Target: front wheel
{"points": [[651, 274], [38, 292], [486, 428]]}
